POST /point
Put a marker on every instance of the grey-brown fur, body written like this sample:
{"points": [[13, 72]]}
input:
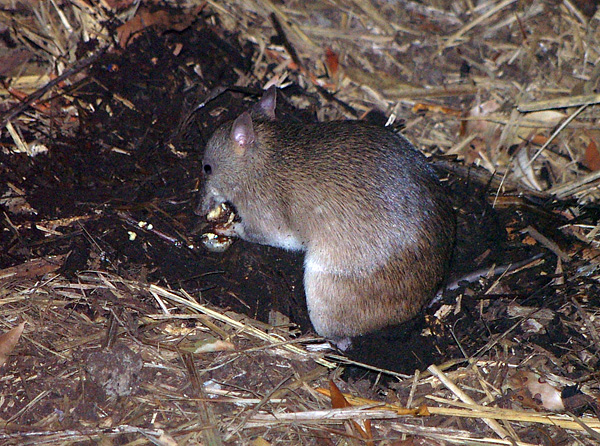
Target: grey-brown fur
{"points": [[375, 223]]}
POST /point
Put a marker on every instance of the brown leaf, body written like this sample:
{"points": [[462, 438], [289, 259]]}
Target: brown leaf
{"points": [[208, 344], [421, 107], [8, 341], [579, 401], [162, 20], [368, 431], [423, 411], [33, 268], [338, 401], [592, 156], [142, 20], [332, 62], [484, 118], [539, 140]]}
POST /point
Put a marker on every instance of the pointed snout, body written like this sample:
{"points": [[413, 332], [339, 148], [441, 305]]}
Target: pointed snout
{"points": [[210, 200]]}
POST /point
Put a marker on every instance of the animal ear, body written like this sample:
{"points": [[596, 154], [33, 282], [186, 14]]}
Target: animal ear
{"points": [[242, 132], [266, 105]]}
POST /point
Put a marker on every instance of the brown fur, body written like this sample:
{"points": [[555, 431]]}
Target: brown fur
{"points": [[375, 222]]}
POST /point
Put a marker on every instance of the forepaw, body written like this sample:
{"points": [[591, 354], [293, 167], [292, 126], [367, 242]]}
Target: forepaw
{"points": [[229, 229]]}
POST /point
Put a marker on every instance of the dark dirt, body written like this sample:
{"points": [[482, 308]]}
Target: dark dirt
{"points": [[128, 162], [134, 156]]}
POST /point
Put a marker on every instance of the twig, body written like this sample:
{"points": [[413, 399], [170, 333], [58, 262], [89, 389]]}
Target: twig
{"points": [[545, 241], [236, 324], [502, 433], [587, 322], [556, 132], [570, 101], [285, 41]]}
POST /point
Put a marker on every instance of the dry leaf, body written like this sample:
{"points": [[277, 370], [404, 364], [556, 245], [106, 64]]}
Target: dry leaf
{"points": [[162, 20], [524, 128], [538, 140], [16, 203], [332, 62], [338, 401], [545, 120], [33, 268], [592, 156], [575, 400], [436, 108], [9, 340], [525, 172], [211, 344], [535, 392]]}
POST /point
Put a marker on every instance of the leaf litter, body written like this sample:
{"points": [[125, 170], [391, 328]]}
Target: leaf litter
{"points": [[131, 333]]}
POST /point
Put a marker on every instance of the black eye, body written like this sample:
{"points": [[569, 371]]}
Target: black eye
{"points": [[207, 169]]}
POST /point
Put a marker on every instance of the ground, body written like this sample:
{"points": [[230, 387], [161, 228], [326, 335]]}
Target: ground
{"points": [[135, 333]]}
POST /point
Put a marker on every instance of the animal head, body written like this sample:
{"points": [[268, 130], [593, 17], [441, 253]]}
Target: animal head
{"points": [[233, 153]]}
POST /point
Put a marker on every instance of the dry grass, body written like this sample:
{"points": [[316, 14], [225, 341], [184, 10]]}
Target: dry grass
{"points": [[509, 85]]}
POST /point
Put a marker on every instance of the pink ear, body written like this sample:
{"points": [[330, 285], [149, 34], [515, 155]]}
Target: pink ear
{"points": [[242, 131], [267, 103]]}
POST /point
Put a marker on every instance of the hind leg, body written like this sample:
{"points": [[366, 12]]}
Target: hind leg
{"points": [[351, 301], [334, 307]]}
